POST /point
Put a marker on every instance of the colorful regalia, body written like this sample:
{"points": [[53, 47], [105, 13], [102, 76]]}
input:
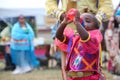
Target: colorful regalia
{"points": [[82, 55]]}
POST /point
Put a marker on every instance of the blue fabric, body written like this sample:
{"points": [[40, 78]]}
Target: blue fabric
{"points": [[83, 24], [19, 34], [54, 29], [22, 54], [24, 58], [117, 12], [57, 54]]}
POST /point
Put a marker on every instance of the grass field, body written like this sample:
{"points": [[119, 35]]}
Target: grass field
{"points": [[38, 74], [49, 74], [46, 74]]}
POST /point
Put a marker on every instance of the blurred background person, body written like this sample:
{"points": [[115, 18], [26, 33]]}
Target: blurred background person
{"points": [[22, 48], [5, 38], [114, 25], [112, 37], [56, 55], [56, 52], [103, 9]]}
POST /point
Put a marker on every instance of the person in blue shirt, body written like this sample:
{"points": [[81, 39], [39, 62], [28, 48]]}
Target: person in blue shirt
{"points": [[115, 18]]}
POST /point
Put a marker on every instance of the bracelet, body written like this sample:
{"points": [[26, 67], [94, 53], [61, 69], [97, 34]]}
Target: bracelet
{"points": [[64, 39], [86, 39]]}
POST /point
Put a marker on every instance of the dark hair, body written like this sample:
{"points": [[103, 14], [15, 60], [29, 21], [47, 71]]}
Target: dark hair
{"points": [[96, 22], [21, 16]]}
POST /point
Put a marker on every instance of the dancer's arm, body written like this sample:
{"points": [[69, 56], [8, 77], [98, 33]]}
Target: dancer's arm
{"points": [[63, 63]]}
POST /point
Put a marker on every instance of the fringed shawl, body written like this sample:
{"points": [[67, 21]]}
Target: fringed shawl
{"points": [[22, 39]]}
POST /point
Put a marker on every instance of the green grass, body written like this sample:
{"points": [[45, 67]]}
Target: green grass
{"points": [[46, 74], [38, 74], [107, 75]]}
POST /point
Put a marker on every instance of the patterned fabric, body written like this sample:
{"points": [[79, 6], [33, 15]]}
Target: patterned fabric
{"points": [[85, 62], [91, 77], [83, 56]]}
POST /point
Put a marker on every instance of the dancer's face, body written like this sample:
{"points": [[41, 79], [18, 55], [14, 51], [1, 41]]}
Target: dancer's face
{"points": [[89, 21]]}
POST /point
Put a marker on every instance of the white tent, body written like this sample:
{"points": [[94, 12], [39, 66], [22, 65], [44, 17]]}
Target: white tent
{"points": [[14, 8], [22, 3], [10, 8]]}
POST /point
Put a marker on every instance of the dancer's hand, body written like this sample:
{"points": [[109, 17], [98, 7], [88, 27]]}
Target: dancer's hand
{"points": [[67, 20], [77, 17]]}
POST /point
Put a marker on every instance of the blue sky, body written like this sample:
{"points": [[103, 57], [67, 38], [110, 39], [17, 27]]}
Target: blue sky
{"points": [[31, 3]]}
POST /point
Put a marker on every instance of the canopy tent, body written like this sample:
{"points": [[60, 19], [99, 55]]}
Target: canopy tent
{"points": [[22, 4]]}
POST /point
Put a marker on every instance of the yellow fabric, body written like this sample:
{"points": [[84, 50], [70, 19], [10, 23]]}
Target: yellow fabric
{"points": [[64, 4], [87, 73], [52, 8], [104, 6], [101, 55], [87, 4], [71, 4], [99, 18], [79, 74]]}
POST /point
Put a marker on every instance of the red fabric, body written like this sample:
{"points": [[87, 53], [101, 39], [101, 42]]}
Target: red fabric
{"points": [[84, 55], [1, 55], [40, 52], [91, 46], [68, 32], [92, 77], [89, 51], [110, 66]]}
